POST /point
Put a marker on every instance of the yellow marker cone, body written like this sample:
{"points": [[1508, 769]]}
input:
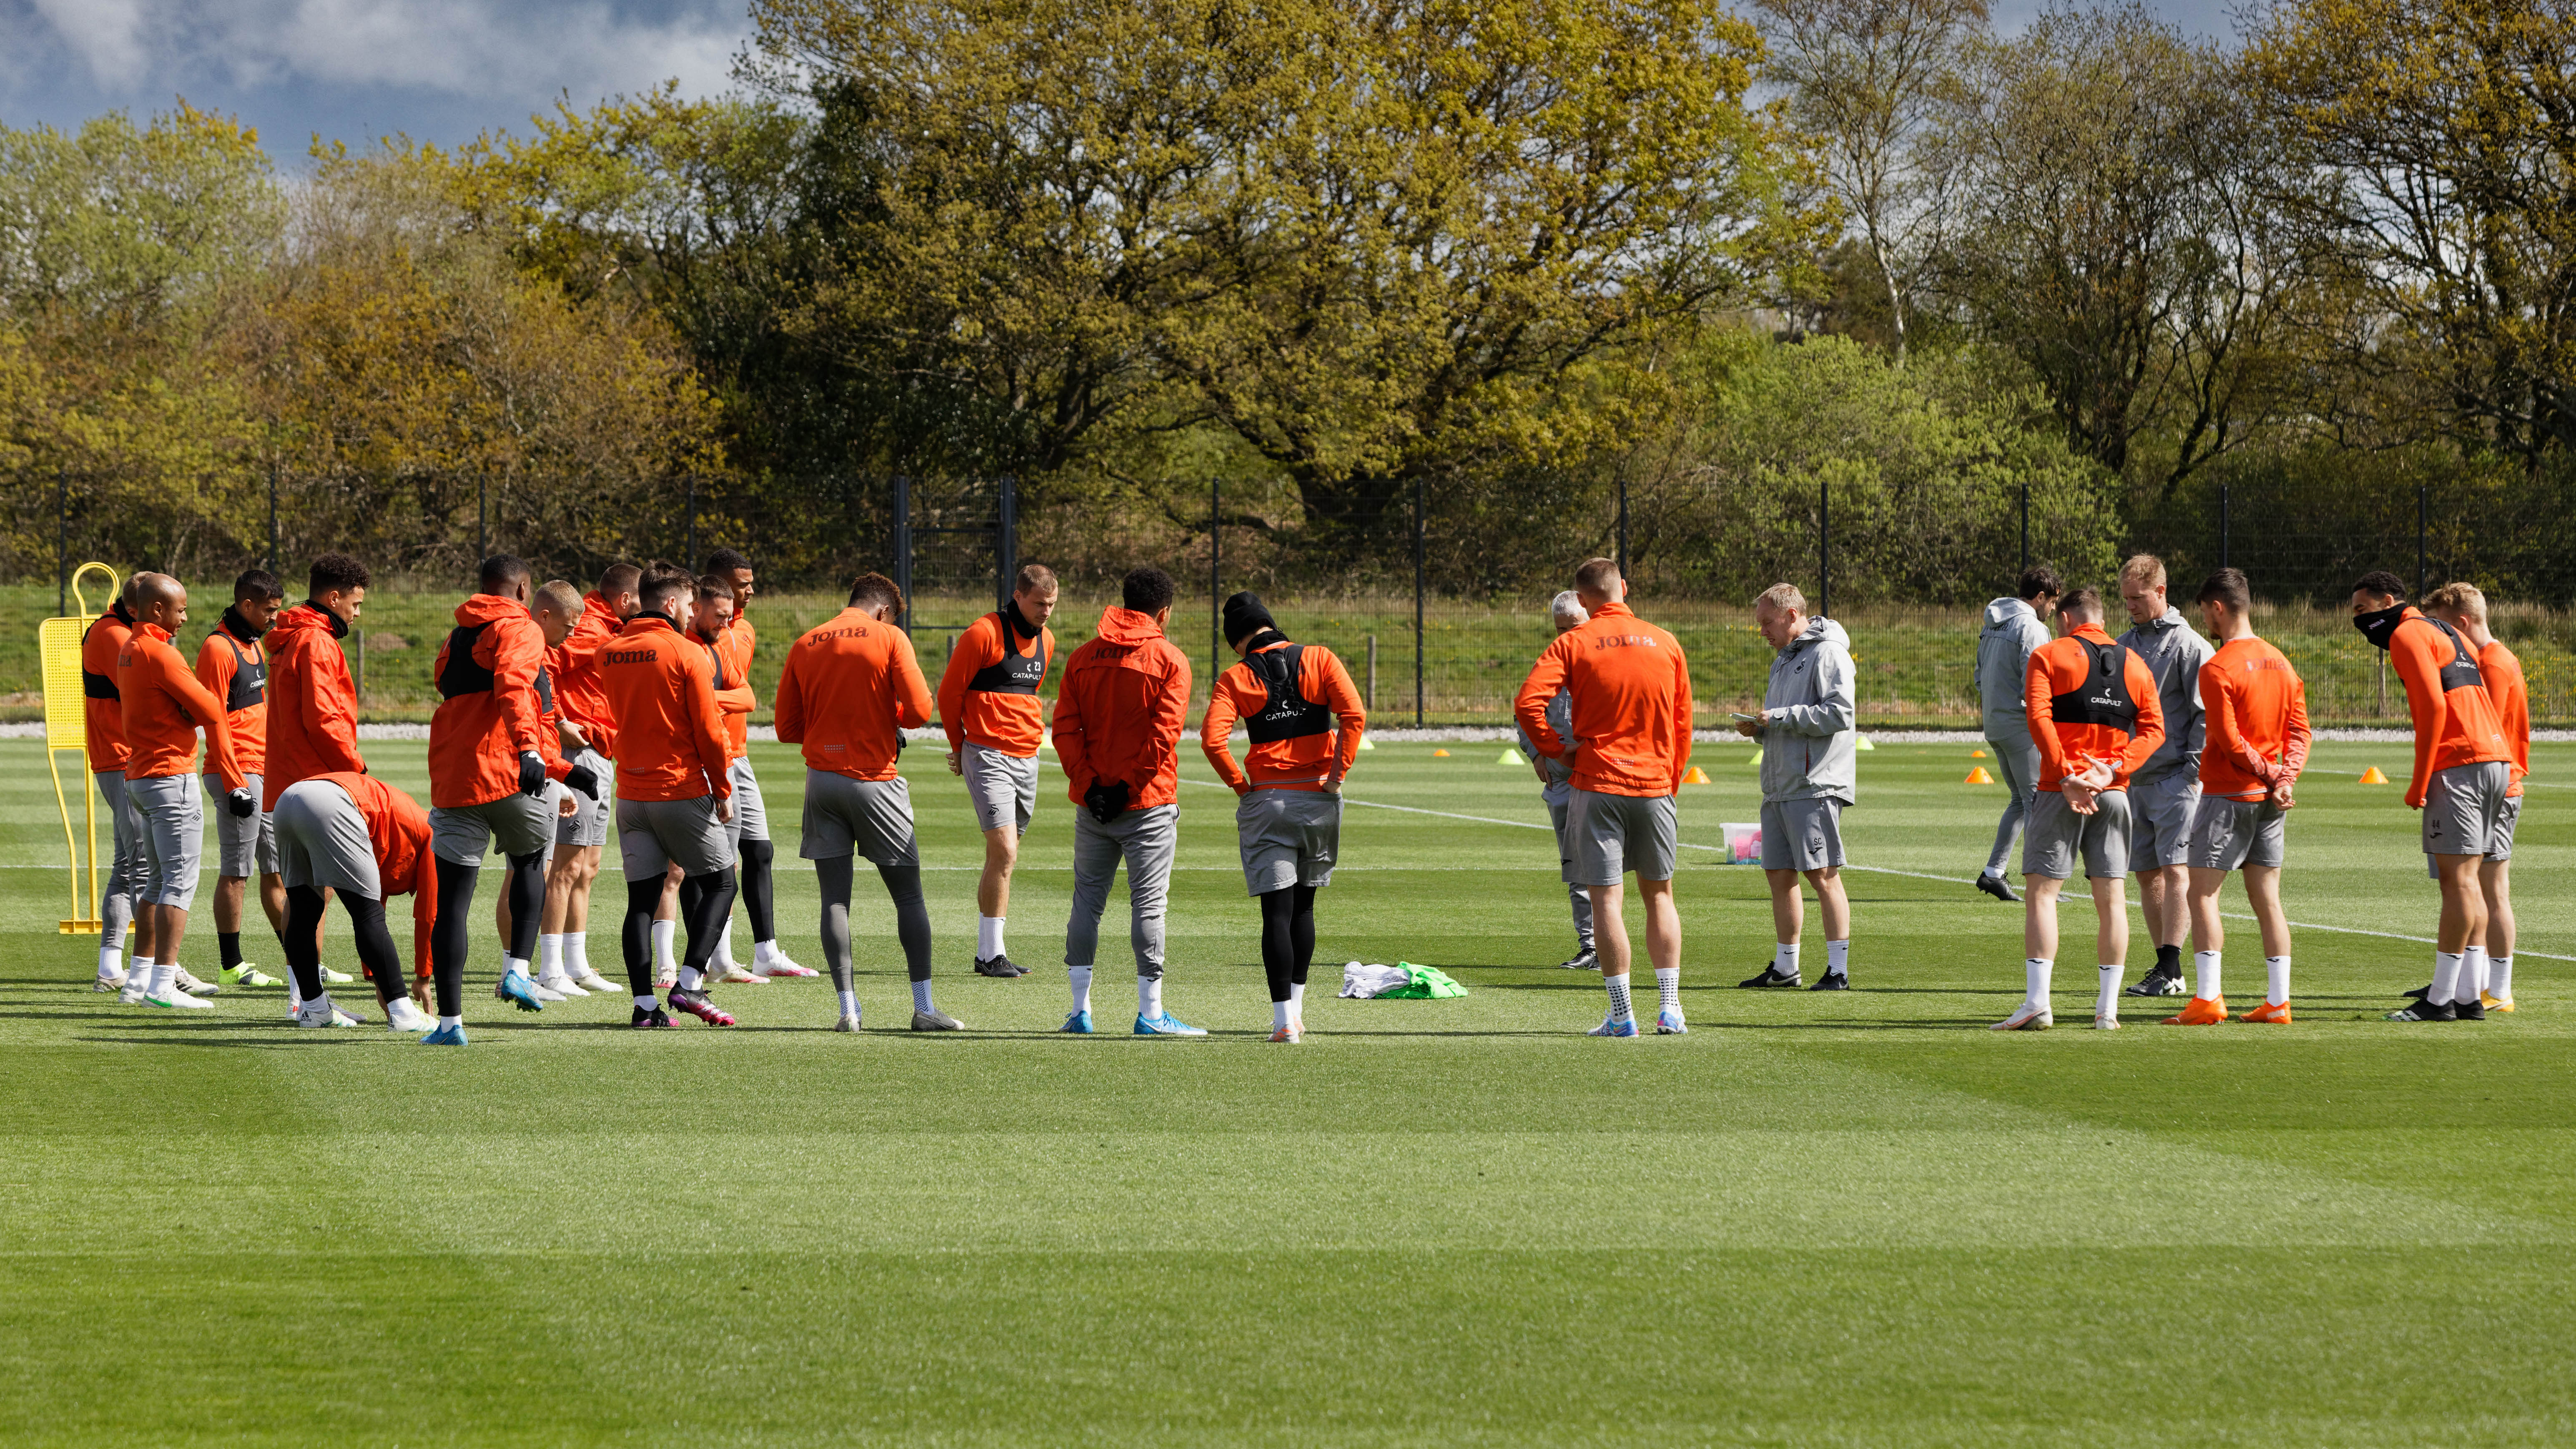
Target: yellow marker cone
{"points": [[1976, 754], [1861, 742], [1509, 757], [2372, 776], [1978, 776], [1366, 744], [1697, 776], [1439, 754]]}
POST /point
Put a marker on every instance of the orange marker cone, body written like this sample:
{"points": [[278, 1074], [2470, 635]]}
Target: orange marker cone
{"points": [[2372, 776], [1697, 776], [1976, 754], [1978, 776], [1439, 754]]}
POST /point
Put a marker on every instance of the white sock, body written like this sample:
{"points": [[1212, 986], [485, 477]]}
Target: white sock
{"points": [[1837, 958], [849, 1003], [765, 953], [162, 974], [513, 966], [2276, 974], [2106, 1002], [1620, 1008], [647, 1003], [576, 945], [110, 961], [2034, 979], [1297, 999], [988, 937], [1080, 978], [2500, 977], [1668, 991], [1784, 959], [1149, 997], [2446, 978], [323, 1001], [921, 996], [549, 955], [665, 934], [724, 945], [2204, 974], [451, 1021], [1279, 1016], [2473, 974], [692, 979]]}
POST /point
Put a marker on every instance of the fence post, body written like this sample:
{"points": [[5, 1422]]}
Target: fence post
{"points": [[482, 519], [1372, 674], [62, 540], [1009, 553], [2025, 525], [903, 549], [2422, 579], [1417, 603], [689, 529], [1824, 551], [1623, 525], [2222, 524], [272, 515]]}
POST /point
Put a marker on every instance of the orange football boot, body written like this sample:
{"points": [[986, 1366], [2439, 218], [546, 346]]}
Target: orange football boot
{"points": [[2201, 1012], [2267, 1012]]}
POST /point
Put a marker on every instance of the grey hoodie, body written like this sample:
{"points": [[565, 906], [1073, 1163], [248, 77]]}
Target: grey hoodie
{"points": [[2174, 654], [2013, 629], [1560, 717], [1808, 744]]}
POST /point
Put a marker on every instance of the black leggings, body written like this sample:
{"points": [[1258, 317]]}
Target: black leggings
{"points": [[303, 940], [759, 894], [448, 938], [1287, 937], [705, 901]]}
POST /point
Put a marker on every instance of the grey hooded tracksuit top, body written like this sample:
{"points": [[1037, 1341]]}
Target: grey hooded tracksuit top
{"points": [[1809, 743], [2013, 630], [2174, 654]]}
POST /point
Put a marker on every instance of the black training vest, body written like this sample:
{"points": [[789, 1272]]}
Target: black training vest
{"points": [[2462, 672], [1288, 714], [100, 686], [461, 675], [2103, 697], [716, 656], [1014, 672], [250, 675]]}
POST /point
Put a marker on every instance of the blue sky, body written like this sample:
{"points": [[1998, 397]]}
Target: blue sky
{"points": [[438, 70]]}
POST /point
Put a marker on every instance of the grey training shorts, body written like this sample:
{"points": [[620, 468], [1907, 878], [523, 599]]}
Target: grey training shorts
{"points": [[870, 818], [2230, 834], [1614, 834], [2054, 835], [1289, 838], [244, 844], [2160, 817], [1802, 834], [322, 841], [651, 834], [750, 812], [2462, 807], [173, 841], [2500, 846], [521, 824], [1003, 788], [587, 825]]}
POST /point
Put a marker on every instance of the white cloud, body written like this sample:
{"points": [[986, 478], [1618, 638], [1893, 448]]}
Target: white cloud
{"points": [[463, 48]]}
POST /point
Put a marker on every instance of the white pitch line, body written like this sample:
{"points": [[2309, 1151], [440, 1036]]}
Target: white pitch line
{"points": [[1889, 870]]}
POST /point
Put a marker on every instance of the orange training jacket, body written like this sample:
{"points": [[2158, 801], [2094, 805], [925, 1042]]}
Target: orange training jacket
{"points": [[165, 706], [1120, 710], [234, 669], [851, 683], [989, 691], [102, 712], [576, 669], [488, 712], [1631, 692], [661, 690], [313, 708], [2503, 674], [1305, 748], [2455, 719], [731, 651], [399, 830], [2064, 669], [2257, 714]]}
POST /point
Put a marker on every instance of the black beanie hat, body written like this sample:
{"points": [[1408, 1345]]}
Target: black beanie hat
{"points": [[1246, 615]]}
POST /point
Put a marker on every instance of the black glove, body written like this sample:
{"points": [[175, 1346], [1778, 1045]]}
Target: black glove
{"points": [[583, 780], [242, 803], [532, 773], [1106, 802]]}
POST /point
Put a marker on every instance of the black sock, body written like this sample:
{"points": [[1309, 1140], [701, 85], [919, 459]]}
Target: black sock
{"points": [[2169, 960], [303, 924], [1301, 934], [636, 936], [447, 938], [228, 943], [527, 887], [705, 902], [376, 947], [759, 894], [1278, 946]]}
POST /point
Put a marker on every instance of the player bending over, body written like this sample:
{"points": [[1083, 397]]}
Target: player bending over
{"points": [[164, 708], [1303, 714], [233, 668], [367, 841], [2096, 717], [1118, 719], [2257, 713], [1810, 737], [989, 708], [1628, 748], [850, 689]]}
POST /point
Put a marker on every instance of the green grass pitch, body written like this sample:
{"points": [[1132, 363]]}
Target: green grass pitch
{"points": [[1853, 1219]]}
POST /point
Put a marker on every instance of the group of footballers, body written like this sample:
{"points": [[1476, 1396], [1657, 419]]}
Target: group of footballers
{"points": [[563, 714]]}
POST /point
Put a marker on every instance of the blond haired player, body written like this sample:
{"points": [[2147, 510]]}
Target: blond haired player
{"points": [[2464, 607], [2166, 789]]}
